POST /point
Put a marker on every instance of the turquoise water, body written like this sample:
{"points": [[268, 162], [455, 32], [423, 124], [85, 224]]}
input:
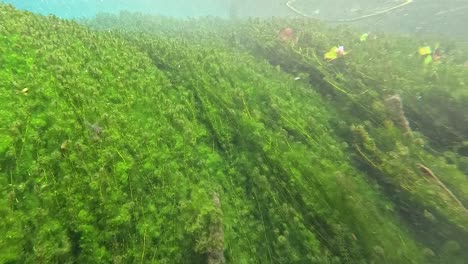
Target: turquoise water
{"points": [[87, 8], [173, 8]]}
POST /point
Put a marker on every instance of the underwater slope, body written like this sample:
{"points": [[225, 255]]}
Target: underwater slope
{"points": [[375, 90], [434, 94], [211, 156]]}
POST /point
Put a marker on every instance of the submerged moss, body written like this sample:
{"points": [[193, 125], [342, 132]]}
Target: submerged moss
{"points": [[182, 142]]}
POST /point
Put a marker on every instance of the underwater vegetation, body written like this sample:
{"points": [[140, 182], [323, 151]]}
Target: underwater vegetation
{"points": [[140, 139]]}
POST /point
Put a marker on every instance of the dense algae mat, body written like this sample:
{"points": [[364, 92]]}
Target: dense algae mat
{"points": [[159, 141]]}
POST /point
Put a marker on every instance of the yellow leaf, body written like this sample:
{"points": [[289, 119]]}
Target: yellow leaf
{"points": [[424, 50], [331, 55]]}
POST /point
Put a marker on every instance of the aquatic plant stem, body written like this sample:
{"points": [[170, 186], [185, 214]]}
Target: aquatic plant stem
{"points": [[365, 157], [144, 247]]}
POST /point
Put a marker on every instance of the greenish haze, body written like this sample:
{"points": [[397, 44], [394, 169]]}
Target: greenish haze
{"points": [[131, 125]]}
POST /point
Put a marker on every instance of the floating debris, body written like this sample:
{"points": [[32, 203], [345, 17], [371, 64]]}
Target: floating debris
{"points": [[24, 91], [287, 34], [95, 130], [334, 53], [64, 145], [429, 54]]}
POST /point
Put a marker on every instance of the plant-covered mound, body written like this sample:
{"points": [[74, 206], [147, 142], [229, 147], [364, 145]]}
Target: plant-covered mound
{"points": [[127, 146]]}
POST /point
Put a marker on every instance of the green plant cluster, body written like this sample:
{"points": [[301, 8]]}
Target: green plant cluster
{"points": [[113, 143]]}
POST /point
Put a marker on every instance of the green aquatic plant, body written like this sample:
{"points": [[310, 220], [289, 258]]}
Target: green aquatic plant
{"points": [[145, 139]]}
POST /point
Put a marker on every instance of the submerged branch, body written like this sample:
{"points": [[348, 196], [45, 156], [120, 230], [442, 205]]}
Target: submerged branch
{"points": [[429, 173], [216, 250], [289, 4]]}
